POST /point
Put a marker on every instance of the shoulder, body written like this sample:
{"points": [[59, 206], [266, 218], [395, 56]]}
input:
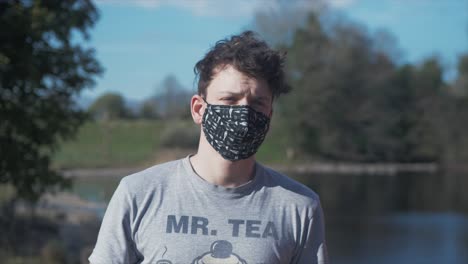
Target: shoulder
{"points": [[290, 190], [153, 177]]}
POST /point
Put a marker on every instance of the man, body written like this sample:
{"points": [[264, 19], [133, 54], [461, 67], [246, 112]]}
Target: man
{"points": [[219, 205]]}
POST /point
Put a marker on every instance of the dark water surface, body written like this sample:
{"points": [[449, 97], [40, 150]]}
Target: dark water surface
{"points": [[406, 218], [402, 238]]}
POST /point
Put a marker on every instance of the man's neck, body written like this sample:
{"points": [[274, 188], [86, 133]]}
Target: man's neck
{"points": [[213, 168]]}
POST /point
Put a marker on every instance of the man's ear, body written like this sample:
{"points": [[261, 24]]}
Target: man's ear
{"points": [[197, 108]]}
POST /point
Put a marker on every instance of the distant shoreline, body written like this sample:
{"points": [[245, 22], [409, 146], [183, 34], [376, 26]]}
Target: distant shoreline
{"points": [[313, 167]]}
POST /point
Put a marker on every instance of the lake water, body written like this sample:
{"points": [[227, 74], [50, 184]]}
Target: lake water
{"points": [[372, 219], [404, 238]]}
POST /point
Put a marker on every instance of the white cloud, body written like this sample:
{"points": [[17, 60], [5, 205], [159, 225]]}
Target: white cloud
{"points": [[340, 4], [229, 8], [197, 7]]}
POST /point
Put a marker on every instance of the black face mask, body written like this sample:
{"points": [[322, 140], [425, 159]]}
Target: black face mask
{"points": [[234, 131]]}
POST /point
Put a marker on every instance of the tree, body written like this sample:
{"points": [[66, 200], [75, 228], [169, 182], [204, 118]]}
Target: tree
{"points": [[109, 106], [173, 101], [452, 125], [336, 73], [149, 109], [461, 83], [41, 72], [351, 102], [278, 24], [429, 109]]}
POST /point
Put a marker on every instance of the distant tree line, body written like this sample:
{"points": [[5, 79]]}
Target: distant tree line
{"points": [[170, 101], [353, 99]]}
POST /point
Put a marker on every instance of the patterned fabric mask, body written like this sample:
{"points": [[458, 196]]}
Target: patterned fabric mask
{"points": [[234, 131]]}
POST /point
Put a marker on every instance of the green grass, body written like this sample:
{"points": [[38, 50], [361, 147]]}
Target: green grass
{"points": [[277, 141], [124, 143], [22, 260], [7, 192], [110, 144]]}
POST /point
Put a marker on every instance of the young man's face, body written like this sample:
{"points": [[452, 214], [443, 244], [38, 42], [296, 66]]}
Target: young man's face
{"points": [[224, 128], [231, 87]]}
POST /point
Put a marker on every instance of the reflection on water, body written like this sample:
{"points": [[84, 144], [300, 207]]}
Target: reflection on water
{"points": [[96, 189], [406, 238], [373, 219], [403, 192]]}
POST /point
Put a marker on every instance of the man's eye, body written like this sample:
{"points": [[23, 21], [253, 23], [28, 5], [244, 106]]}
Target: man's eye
{"points": [[229, 99]]}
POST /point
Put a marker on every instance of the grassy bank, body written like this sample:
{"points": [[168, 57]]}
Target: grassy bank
{"points": [[113, 143], [129, 143]]}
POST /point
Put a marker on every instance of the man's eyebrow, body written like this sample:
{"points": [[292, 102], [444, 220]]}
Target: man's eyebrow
{"points": [[255, 97], [229, 93]]}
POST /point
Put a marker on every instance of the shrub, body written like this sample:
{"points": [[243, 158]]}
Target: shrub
{"points": [[181, 134]]}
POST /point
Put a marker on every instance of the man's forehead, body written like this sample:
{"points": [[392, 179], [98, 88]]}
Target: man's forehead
{"points": [[230, 81]]}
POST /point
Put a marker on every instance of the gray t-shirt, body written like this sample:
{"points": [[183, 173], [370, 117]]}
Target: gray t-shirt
{"points": [[167, 214]]}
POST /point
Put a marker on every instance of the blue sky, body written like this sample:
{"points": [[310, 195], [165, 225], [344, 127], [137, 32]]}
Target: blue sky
{"points": [[140, 42]]}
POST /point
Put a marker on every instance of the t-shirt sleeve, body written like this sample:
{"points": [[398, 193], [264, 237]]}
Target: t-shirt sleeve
{"points": [[114, 243], [314, 248]]}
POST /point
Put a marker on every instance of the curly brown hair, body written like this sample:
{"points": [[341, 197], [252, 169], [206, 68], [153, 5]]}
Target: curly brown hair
{"points": [[248, 54]]}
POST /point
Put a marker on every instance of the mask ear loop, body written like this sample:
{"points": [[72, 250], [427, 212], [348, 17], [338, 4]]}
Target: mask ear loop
{"points": [[204, 100], [206, 107]]}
